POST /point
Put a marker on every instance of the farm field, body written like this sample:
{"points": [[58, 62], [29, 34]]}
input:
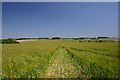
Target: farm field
{"points": [[60, 59]]}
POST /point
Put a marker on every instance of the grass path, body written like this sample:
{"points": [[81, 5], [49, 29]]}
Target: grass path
{"points": [[62, 65]]}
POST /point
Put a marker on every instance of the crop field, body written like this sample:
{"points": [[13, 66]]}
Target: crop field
{"points": [[60, 59]]}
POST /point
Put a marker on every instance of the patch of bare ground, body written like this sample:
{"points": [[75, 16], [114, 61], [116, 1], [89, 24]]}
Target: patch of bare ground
{"points": [[24, 40]]}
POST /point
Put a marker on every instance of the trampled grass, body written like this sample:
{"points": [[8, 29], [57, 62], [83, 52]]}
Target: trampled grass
{"points": [[60, 59]]}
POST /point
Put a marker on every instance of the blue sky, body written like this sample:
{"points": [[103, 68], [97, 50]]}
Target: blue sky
{"points": [[0, 20], [48, 19]]}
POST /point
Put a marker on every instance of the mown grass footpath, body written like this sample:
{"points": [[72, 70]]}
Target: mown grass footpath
{"points": [[62, 65]]}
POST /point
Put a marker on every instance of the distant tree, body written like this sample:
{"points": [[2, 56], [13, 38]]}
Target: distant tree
{"points": [[9, 41], [102, 37], [88, 40], [100, 41], [81, 38], [80, 41], [43, 38], [56, 38], [93, 38]]}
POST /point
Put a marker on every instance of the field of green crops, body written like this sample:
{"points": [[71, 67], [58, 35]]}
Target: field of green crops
{"points": [[60, 59]]}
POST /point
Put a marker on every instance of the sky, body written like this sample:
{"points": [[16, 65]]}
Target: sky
{"points": [[63, 19], [0, 20], [60, 0]]}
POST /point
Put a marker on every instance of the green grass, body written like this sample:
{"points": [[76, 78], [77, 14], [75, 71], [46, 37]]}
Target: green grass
{"points": [[60, 59]]}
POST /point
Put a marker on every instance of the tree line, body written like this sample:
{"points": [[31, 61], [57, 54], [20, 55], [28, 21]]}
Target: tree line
{"points": [[8, 41]]}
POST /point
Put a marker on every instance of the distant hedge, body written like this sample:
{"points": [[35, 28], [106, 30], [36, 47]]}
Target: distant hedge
{"points": [[8, 41], [95, 41], [56, 38]]}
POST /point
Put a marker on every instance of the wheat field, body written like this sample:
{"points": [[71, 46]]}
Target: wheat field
{"points": [[60, 59]]}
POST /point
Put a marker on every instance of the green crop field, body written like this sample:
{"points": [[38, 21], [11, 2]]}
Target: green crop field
{"points": [[60, 59]]}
